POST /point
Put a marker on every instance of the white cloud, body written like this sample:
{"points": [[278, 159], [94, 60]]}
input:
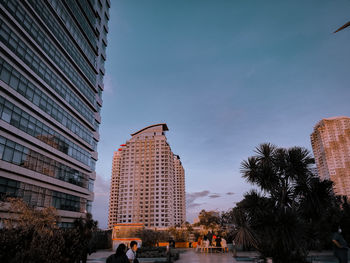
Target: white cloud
{"points": [[100, 204], [109, 84]]}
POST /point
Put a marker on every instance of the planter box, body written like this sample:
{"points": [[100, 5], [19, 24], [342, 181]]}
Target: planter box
{"points": [[152, 260], [182, 244], [163, 244], [152, 252]]}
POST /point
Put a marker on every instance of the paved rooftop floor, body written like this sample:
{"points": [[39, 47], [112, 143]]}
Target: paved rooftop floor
{"points": [[190, 256]]}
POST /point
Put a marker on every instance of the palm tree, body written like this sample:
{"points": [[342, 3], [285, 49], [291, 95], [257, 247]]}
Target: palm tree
{"points": [[243, 234], [276, 170], [292, 199], [85, 226]]}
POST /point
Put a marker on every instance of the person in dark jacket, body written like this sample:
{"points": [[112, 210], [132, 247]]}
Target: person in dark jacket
{"points": [[210, 237], [119, 256], [218, 243], [340, 246]]}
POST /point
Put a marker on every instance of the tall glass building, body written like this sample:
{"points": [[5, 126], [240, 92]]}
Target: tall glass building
{"points": [[52, 57]]}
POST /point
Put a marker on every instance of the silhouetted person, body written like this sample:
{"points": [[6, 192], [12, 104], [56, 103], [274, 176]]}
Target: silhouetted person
{"points": [[171, 243], [218, 243], [119, 256], [340, 246], [210, 237], [234, 249]]}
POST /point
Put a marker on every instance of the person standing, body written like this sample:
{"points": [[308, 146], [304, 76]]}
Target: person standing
{"points": [[199, 243], [119, 256], [234, 249], [210, 236], [218, 243], [340, 246], [223, 245], [131, 254], [205, 244]]}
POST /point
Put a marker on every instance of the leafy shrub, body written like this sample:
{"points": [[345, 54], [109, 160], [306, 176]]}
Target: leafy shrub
{"points": [[150, 237], [31, 235]]}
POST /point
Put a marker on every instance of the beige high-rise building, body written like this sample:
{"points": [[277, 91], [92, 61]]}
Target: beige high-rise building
{"points": [[179, 192], [145, 183], [331, 146], [113, 196]]}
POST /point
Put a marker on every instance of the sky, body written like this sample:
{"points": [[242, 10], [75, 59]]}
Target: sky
{"points": [[225, 76]]}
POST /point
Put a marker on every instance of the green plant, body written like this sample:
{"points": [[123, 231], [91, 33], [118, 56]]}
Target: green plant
{"points": [[85, 227], [209, 219], [287, 217], [101, 239], [32, 235], [150, 237], [179, 235]]}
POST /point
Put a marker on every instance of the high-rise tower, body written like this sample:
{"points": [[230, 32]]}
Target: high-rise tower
{"points": [[179, 192], [331, 146], [52, 58], [114, 189], [144, 183]]}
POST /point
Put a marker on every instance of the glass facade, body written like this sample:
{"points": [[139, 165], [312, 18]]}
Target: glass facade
{"points": [[22, 50], [49, 47], [23, 86], [20, 155], [51, 76], [32, 126], [41, 197], [16, 44], [17, 10]]}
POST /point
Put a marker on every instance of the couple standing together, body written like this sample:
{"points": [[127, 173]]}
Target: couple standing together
{"points": [[123, 256]]}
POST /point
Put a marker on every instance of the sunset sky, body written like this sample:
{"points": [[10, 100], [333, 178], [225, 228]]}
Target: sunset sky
{"points": [[225, 76]]}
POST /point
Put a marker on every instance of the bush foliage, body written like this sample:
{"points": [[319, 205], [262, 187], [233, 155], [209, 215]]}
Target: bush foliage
{"points": [[292, 211], [32, 235]]}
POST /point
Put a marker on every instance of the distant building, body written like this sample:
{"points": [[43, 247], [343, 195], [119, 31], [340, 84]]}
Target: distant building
{"points": [[179, 192], [114, 189], [147, 183], [331, 146], [51, 81]]}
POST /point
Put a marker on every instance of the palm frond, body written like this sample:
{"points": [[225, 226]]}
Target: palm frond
{"points": [[265, 152], [342, 27], [244, 237]]}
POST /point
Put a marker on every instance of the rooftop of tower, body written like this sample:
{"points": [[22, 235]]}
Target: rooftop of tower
{"points": [[321, 122], [163, 125], [336, 118]]}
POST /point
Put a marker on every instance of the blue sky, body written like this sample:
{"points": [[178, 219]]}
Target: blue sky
{"points": [[225, 76]]}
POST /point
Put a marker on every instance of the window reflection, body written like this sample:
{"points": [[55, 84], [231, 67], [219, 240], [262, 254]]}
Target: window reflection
{"points": [[22, 156], [26, 89], [41, 197], [23, 121]]}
